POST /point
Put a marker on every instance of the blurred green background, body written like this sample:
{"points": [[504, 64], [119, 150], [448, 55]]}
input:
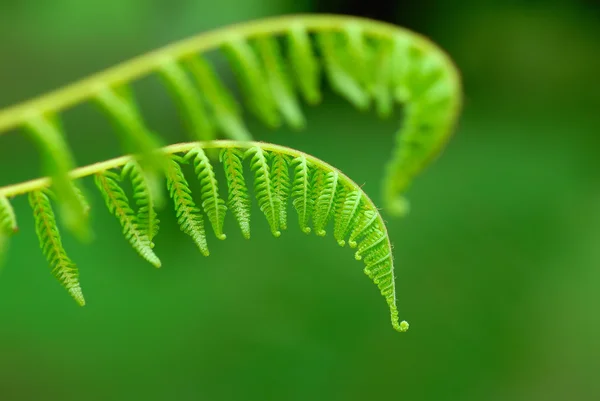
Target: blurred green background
{"points": [[498, 263]]}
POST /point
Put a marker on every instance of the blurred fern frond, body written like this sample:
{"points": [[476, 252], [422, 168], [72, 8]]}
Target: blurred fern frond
{"points": [[277, 62]]}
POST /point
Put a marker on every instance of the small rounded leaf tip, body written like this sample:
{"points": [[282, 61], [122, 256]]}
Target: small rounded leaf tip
{"points": [[404, 326]]}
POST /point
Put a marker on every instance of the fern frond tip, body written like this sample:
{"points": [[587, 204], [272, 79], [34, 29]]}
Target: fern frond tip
{"points": [[77, 295], [402, 327]]}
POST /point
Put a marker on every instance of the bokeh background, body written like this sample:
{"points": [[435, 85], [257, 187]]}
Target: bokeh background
{"points": [[498, 262]]}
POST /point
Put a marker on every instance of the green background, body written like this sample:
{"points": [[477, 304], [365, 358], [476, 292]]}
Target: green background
{"points": [[498, 263]]}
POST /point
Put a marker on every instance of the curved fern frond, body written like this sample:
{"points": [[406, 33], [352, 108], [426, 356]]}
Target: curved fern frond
{"points": [[118, 204], [63, 268], [276, 61], [318, 191]]}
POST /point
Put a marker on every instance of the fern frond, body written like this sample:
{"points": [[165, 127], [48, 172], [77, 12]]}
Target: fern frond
{"points": [[62, 267], [263, 188], [318, 190], [301, 192], [188, 215], [213, 205], [118, 204], [239, 200], [146, 217], [366, 62]]}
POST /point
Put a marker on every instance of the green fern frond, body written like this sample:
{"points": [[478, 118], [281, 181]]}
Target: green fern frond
{"points": [[213, 205], [118, 204], [188, 215], [239, 199], [318, 191], [263, 188], [62, 267], [301, 192], [276, 61]]}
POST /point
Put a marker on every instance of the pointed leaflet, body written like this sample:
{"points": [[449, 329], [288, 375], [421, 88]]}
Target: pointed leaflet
{"points": [[220, 101], [213, 205], [239, 200], [118, 204], [263, 188], [251, 78], [280, 181], [340, 78], [8, 225], [357, 59], [146, 217], [301, 192], [325, 185], [279, 82], [190, 103], [381, 81], [306, 68], [346, 219], [119, 105], [188, 215], [62, 267]]}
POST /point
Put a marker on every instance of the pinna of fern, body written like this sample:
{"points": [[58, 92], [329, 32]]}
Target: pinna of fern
{"points": [[320, 194], [276, 62]]}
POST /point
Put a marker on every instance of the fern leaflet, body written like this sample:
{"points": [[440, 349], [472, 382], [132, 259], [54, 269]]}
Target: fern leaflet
{"points": [[63, 268]]}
